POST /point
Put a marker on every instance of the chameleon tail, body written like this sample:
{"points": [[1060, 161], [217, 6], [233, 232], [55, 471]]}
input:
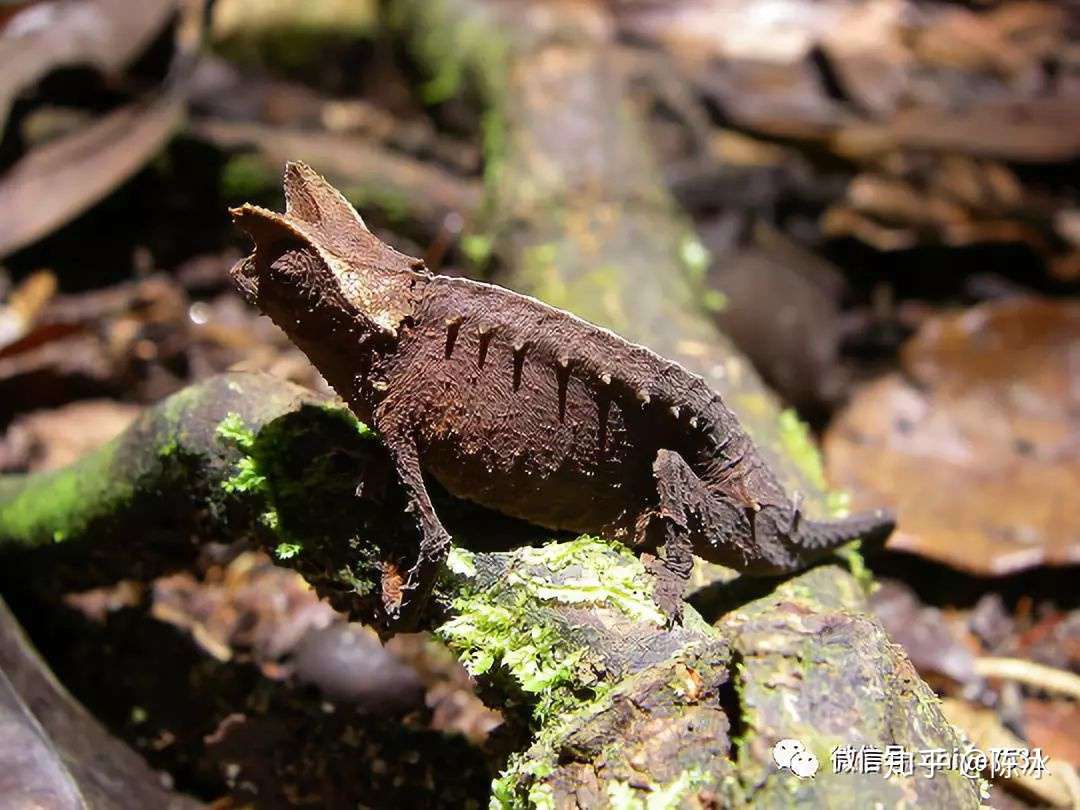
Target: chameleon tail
{"points": [[873, 528]]}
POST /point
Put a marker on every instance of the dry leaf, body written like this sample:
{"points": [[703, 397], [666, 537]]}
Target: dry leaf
{"points": [[923, 632], [24, 304], [1045, 130], [978, 448], [103, 34], [58, 181], [56, 438]]}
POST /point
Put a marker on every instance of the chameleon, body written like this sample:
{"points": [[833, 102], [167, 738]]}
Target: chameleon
{"points": [[522, 407]]}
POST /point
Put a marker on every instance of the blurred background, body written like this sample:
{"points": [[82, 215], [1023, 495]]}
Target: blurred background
{"points": [[872, 205]]}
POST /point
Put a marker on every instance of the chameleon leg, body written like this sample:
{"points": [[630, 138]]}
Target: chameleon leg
{"points": [[679, 490], [434, 539]]}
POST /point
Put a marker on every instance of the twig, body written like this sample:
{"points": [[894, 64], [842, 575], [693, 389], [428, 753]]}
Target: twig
{"points": [[1040, 676]]}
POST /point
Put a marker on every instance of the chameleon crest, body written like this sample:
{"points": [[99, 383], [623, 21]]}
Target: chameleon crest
{"points": [[321, 251]]}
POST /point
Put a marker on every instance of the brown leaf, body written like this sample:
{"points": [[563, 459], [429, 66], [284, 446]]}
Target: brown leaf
{"points": [[111, 340], [58, 181], [978, 449], [353, 163], [104, 34], [1039, 131], [24, 304], [249, 607], [951, 200], [879, 76]]}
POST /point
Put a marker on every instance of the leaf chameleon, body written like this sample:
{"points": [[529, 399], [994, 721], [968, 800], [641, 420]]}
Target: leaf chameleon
{"points": [[522, 407]]}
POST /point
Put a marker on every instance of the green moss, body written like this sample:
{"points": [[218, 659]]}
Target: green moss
{"points": [[496, 147], [233, 429], [51, 507], [300, 471], [596, 295], [457, 52], [286, 551], [261, 452], [602, 573], [714, 300], [503, 790], [477, 248], [358, 585], [247, 478], [543, 665], [501, 629], [797, 442], [519, 768], [271, 519], [461, 562], [292, 480], [856, 563], [296, 470], [341, 412], [541, 796], [174, 410], [461, 56], [295, 38], [540, 274]]}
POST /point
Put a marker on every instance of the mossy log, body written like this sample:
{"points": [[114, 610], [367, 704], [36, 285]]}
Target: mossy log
{"points": [[615, 706]]}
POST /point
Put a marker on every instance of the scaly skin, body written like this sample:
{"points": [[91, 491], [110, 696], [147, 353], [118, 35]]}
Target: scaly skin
{"points": [[522, 407]]}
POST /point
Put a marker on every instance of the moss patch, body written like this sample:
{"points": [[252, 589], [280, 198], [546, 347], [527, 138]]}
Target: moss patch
{"points": [[299, 471], [54, 506], [500, 629], [496, 628]]}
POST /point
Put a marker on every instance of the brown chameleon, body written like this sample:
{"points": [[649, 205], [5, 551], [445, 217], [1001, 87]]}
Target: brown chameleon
{"points": [[522, 407]]}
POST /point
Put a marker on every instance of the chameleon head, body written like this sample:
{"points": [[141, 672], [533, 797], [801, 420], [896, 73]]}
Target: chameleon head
{"points": [[317, 269]]}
